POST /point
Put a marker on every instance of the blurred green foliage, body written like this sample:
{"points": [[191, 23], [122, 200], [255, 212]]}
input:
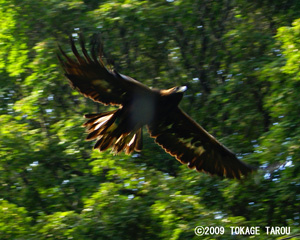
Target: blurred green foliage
{"points": [[240, 61]]}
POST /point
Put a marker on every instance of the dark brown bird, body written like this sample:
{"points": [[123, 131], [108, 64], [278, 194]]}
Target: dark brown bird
{"points": [[121, 129]]}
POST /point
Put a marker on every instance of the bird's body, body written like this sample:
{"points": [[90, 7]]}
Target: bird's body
{"points": [[140, 106]]}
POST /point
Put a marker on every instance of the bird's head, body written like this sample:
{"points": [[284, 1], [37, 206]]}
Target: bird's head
{"points": [[173, 90], [181, 89], [173, 94]]}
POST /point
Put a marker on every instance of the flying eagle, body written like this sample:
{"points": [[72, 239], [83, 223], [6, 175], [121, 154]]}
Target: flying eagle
{"points": [[121, 129]]}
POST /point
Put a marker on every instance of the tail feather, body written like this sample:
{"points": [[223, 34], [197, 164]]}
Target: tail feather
{"points": [[139, 140], [105, 142], [96, 118], [109, 131], [93, 135], [98, 124], [125, 142]]}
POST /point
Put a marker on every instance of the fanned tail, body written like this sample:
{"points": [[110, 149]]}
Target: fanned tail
{"points": [[107, 128]]}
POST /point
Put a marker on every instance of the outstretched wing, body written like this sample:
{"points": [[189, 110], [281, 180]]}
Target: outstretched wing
{"points": [[89, 76], [183, 138]]}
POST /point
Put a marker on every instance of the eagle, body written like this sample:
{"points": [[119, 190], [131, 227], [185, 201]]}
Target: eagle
{"points": [[157, 109]]}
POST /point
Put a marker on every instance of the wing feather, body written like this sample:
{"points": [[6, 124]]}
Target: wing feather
{"points": [[183, 138], [91, 78]]}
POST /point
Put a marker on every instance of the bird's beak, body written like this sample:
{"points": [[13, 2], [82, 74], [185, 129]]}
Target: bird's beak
{"points": [[182, 89]]}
